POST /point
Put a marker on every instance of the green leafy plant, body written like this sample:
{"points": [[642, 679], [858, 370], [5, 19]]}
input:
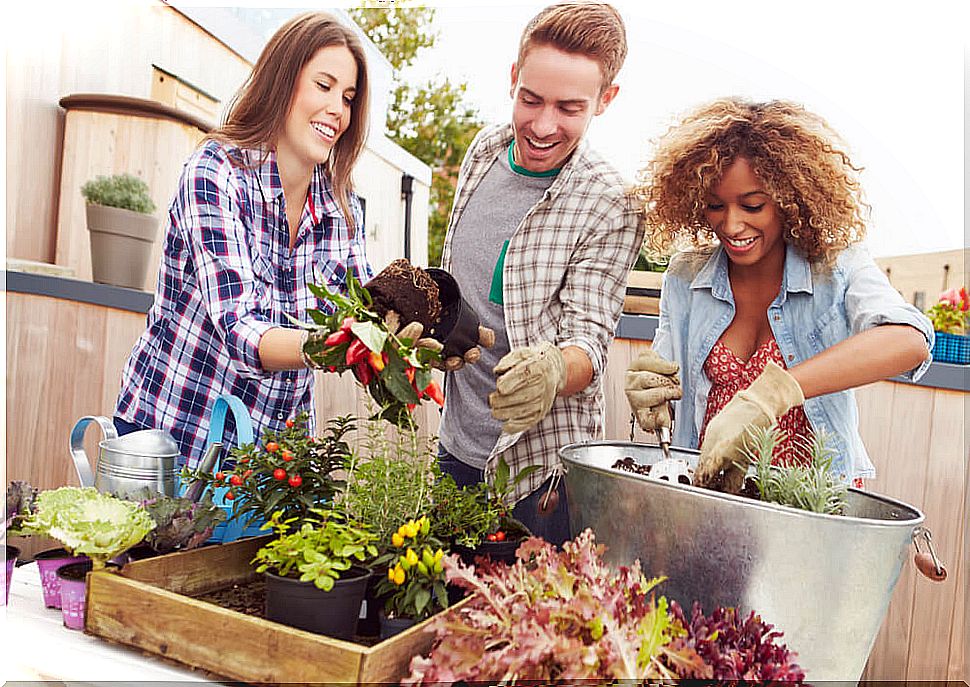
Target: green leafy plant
{"points": [[811, 486], [325, 545], [395, 371], [390, 478], [180, 523], [88, 522], [462, 515], [414, 581], [124, 191], [289, 471], [951, 314]]}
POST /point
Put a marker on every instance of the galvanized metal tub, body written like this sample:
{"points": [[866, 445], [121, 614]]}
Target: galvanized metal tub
{"points": [[823, 580]]}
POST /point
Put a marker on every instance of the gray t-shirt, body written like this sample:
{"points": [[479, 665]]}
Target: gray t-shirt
{"points": [[493, 213]]}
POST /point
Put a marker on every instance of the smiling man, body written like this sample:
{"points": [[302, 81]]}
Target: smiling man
{"points": [[542, 236]]}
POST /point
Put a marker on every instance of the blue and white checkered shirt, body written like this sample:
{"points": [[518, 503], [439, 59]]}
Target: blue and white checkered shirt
{"points": [[227, 276]]}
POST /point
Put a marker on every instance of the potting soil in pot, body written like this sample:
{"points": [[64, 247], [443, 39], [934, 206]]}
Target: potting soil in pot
{"points": [[407, 290]]}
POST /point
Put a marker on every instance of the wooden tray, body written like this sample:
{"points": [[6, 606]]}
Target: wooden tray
{"points": [[149, 605]]}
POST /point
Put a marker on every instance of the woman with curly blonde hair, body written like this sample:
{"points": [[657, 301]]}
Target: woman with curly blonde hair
{"points": [[772, 310]]}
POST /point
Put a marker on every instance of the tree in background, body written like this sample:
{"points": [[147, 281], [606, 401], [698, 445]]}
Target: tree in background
{"points": [[431, 120]]}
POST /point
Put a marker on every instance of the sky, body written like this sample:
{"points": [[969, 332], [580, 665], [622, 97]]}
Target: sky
{"points": [[889, 79]]}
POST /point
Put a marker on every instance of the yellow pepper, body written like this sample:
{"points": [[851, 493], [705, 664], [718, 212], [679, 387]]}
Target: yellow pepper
{"points": [[397, 540]]}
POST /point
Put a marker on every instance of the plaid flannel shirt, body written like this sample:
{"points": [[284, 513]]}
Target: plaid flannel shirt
{"points": [[565, 276], [227, 276]]}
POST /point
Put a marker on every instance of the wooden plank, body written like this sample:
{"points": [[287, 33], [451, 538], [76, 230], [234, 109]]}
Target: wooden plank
{"points": [[933, 612], [958, 665]]}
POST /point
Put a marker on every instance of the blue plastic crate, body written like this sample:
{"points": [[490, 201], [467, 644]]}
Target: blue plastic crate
{"points": [[952, 348], [231, 528]]}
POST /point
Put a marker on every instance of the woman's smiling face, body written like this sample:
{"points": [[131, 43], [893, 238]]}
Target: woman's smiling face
{"points": [[746, 220]]}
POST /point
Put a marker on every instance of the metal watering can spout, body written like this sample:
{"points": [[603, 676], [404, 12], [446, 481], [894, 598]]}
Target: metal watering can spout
{"points": [[149, 457]]}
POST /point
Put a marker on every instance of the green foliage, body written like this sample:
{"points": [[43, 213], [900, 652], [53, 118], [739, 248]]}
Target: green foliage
{"points": [[462, 515], [390, 479], [951, 315], [810, 487], [88, 522], [431, 120], [289, 471], [413, 578], [326, 545], [180, 523], [124, 191]]}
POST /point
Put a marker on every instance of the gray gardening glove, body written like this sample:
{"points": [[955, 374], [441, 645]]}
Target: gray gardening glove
{"points": [[650, 383], [770, 396], [529, 379]]}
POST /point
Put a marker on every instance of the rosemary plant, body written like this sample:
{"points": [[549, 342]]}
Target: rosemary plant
{"points": [[810, 486]]}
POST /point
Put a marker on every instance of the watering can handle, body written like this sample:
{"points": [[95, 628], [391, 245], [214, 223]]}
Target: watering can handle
{"points": [[927, 561], [217, 420], [81, 464]]}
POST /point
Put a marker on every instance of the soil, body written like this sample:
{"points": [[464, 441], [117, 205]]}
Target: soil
{"points": [[407, 290], [628, 464]]}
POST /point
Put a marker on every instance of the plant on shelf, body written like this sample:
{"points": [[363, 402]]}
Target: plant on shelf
{"points": [[810, 486], [394, 369], [412, 569], [88, 522], [289, 471], [180, 523], [124, 191], [325, 545], [951, 314], [390, 478]]}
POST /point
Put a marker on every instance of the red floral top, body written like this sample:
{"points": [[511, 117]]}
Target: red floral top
{"points": [[729, 375]]}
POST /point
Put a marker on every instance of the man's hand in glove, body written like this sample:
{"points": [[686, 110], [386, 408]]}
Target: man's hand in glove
{"points": [[650, 383], [486, 339], [529, 379], [769, 397]]}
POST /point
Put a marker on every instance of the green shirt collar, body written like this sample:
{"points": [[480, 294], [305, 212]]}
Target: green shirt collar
{"points": [[525, 172]]}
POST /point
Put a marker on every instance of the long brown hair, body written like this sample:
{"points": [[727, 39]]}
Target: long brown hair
{"points": [[257, 116]]}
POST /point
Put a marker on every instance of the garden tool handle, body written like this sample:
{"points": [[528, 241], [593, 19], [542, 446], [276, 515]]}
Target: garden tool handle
{"points": [[927, 561], [663, 438]]}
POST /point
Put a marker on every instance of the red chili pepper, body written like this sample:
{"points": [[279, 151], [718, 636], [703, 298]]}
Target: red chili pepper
{"points": [[279, 474], [376, 361], [247, 474], [411, 406], [356, 352], [409, 373], [331, 368], [434, 393], [363, 373], [347, 324], [295, 481], [338, 337]]}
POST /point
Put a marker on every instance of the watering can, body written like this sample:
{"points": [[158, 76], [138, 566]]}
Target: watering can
{"points": [[146, 458]]}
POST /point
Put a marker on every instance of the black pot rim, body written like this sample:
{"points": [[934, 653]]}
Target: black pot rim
{"points": [[87, 566], [345, 576], [49, 554], [12, 552]]}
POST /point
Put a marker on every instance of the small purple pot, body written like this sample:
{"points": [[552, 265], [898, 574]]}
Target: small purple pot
{"points": [[47, 563], [73, 593], [12, 554]]}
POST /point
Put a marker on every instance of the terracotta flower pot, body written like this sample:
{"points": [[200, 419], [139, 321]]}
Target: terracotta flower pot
{"points": [[304, 606], [47, 564]]}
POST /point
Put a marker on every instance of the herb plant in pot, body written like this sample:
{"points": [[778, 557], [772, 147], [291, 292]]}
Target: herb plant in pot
{"points": [[180, 523], [122, 229], [20, 500], [315, 576], [413, 582], [88, 523], [951, 320]]}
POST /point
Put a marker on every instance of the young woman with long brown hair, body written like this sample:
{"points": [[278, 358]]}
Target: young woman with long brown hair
{"points": [[264, 206]]}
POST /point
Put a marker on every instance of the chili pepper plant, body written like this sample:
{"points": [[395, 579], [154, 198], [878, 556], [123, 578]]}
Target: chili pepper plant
{"points": [[395, 371], [289, 471], [412, 569]]}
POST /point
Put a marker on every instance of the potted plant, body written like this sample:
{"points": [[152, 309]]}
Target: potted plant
{"points": [[315, 575], [289, 471], [565, 617], [87, 522], [20, 500], [121, 227], [950, 317], [413, 582], [180, 523]]}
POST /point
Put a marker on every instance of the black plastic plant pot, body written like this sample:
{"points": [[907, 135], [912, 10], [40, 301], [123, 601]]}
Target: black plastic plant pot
{"points": [[370, 625], [393, 626], [302, 605], [498, 551], [457, 326]]}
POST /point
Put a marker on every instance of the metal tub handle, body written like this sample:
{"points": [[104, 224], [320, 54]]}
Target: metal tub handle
{"points": [[927, 561]]}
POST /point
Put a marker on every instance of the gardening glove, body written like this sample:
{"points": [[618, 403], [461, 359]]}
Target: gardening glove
{"points": [[486, 339], [650, 383], [528, 380], [772, 394]]}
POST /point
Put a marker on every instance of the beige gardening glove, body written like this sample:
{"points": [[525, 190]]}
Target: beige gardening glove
{"points": [[650, 383], [528, 380], [772, 394]]}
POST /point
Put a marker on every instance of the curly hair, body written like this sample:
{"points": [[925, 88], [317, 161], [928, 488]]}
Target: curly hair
{"points": [[798, 157]]}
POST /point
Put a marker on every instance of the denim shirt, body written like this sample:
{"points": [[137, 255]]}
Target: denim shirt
{"points": [[814, 310]]}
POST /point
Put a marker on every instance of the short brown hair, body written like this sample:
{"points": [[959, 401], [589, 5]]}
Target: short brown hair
{"points": [[257, 114], [592, 29], [799, 158]]}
